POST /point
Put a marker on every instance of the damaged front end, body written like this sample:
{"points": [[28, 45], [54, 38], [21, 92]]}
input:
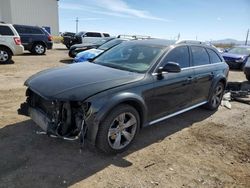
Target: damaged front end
{"points": [[63, 119]]}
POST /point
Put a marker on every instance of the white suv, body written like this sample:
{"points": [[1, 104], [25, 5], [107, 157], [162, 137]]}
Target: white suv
{"points": [[10, 43]]}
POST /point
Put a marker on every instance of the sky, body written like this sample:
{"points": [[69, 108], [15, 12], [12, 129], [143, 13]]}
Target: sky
{"points": [[194, 19]]}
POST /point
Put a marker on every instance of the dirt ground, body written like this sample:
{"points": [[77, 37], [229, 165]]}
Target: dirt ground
{"points": [[196, 149]]}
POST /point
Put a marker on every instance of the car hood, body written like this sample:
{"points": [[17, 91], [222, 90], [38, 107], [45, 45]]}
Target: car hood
{"points": [[77, 82], [234, 56]]}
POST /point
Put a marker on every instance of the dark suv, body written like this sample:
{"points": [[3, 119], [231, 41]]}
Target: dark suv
{"points": [[34, 38], [133, 85]]}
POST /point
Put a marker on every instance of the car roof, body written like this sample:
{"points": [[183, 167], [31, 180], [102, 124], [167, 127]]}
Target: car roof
{"points": [[26, 26], [158, 42]]}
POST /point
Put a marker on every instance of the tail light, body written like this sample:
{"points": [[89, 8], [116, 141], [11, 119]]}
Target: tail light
{"points": [[17, 40], [50, 38]]}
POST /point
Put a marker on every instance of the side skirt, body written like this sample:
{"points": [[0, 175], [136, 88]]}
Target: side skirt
{"points": [[176, 113]]}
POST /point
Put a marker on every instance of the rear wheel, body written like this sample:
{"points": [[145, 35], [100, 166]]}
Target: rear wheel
{"points": [[38, 49], [215, 100], [118, 130], [5, 55]]}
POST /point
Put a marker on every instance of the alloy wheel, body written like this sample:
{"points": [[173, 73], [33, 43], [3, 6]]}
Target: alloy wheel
{"points": [[39, 49], [216, 99], [122, 130], [3, 56]]}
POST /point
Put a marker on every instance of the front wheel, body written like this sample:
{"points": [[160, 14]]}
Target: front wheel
{"points": [[118, 130], [215, 99]]}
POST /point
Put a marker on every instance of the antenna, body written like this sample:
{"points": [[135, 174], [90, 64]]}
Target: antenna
{"points": [[247, 37], [77, 20]]}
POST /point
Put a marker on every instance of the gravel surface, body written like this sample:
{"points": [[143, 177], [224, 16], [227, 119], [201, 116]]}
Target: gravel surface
{"points": [[196, 149]]}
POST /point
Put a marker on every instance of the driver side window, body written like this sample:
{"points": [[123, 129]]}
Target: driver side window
{"points": [[179, 55]]}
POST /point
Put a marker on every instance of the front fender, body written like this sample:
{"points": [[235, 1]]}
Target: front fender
{"points": [[102, 109]]}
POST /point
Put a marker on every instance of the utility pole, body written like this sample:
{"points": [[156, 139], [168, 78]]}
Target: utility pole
{"points": [[77, 20], [247, 37]]}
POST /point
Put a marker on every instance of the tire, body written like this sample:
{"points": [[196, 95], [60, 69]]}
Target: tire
{"points": [[5, 55], [114, 136], [38, 49], [215, 99]]}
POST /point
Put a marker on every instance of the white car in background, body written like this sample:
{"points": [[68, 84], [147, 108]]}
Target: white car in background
{"points": [[10, 43]]}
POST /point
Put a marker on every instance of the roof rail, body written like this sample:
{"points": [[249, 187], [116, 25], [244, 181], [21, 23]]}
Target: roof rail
{"points": [[194, 42], [134, 36], [189, 42]]}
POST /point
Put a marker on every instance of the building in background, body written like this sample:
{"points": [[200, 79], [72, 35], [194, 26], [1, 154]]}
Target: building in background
{"points": [[43, 13]]}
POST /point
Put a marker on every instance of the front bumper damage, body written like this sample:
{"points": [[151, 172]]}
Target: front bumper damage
{"points": [[64, 120]]}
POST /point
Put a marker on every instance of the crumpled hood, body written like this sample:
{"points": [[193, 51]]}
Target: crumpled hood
{"points": [[77, 82], [233, 56]]}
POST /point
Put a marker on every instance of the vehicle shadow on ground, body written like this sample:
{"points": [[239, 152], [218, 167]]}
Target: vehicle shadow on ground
{"points": [[8, 63], [31, 54], [31, 160], [66, 61]]}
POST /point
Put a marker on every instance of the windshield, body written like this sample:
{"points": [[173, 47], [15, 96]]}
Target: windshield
{"points": [[240, 51], [130, 56], [110, 44]]}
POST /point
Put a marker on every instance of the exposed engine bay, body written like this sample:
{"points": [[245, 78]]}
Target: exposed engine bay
{"points": [[62, 119]]}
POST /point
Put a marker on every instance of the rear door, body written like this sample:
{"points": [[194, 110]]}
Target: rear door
{"points": [[24, 34], [204, 73], [6, 36], [173, 91]]}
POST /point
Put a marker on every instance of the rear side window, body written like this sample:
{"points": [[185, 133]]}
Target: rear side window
{"points": [[200, 55], [106, 35], [91, 34], [22, 30], [5, 30], [36, 31], [28, 30], [214, 58], [179, 55]]}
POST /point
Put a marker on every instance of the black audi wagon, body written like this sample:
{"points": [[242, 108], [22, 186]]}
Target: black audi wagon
{"points": [[133, 85]]}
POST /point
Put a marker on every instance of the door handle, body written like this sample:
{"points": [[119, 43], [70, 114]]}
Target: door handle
{"points": [[189, 80]]}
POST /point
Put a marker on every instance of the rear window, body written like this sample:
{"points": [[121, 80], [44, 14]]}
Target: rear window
{"points": [[200, 56], [214, 58], [5, 30], [91, 34]]}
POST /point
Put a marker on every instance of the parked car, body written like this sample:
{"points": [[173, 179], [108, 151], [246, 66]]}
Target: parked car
{"points": [[34, 39], [133, 85], [10, 43], [92, 53], [236, 57], [68, 41], [247, 69], [88, 44], [221, 50]]}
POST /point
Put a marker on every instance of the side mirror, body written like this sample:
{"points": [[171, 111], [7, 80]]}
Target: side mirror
{"points": [[170, 67]]}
